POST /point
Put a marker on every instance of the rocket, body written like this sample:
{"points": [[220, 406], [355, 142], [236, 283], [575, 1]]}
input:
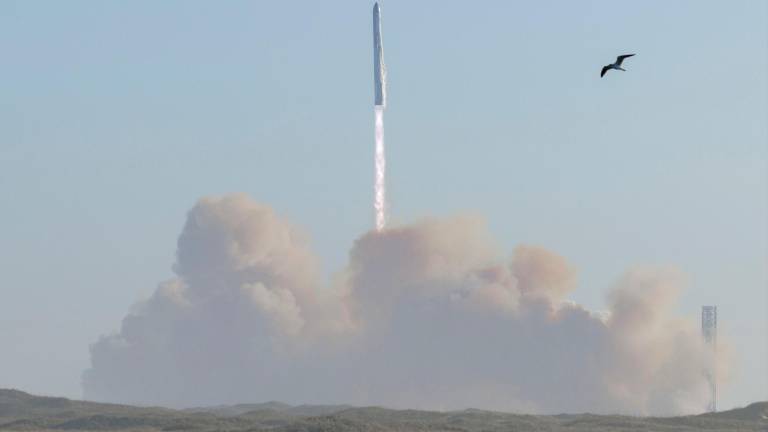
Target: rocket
{"points": [[379, 104], [379, 69]]}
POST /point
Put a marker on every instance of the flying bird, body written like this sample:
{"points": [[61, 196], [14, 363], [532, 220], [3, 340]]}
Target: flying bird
{"points": [[616, 65]]}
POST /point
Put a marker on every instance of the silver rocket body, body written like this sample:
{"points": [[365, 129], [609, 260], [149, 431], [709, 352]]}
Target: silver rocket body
{"points": [[379, 69]]}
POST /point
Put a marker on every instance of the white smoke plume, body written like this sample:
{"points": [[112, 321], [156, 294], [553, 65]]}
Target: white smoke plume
{"points": [[427, 316], [380, 181]]}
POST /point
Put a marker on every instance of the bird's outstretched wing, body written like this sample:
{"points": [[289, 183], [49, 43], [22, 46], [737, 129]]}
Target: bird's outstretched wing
{"points": [[605, 69], [621, 58]]}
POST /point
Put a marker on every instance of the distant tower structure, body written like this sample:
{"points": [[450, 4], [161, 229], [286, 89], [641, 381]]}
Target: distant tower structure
{"points": [[709, 331]]}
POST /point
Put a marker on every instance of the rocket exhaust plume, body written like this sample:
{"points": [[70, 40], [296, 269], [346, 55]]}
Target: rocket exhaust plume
{"points": [[380, 193], [380, 103]]}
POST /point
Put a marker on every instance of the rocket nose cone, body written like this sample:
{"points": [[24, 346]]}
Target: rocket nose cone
{"points": [[376, 7]]}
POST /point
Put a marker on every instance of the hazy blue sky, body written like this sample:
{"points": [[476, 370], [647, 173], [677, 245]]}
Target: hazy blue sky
{"points": [[116, 116]]}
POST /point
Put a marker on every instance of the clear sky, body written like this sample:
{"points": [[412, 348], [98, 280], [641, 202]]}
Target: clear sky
{"points": [[116, 116]]}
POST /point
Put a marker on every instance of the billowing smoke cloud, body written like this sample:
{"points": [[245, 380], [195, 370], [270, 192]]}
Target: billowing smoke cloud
{"points": [[424, 316]]}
